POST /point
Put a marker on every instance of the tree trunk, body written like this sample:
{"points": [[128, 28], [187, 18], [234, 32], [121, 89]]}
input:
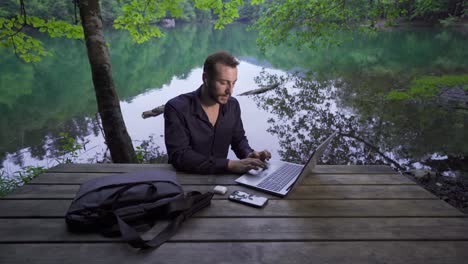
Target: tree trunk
{"points": [[115, 132]]}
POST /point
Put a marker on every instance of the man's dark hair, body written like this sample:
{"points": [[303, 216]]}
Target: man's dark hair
{"points": [[221, 57]]}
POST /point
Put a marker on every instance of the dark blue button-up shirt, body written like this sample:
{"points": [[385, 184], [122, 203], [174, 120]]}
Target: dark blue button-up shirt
{"points": [[193, 144]]}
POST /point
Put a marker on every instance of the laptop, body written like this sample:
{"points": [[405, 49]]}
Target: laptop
{"points": [[280, 176]]}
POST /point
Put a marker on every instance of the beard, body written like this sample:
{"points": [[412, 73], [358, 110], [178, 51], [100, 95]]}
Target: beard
{"points": [[217, 97]]}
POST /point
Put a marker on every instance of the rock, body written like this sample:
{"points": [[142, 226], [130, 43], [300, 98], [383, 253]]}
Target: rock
{"points": [[420, 174], [167, 22], [432, 174], [455, 97], [423, 174]]}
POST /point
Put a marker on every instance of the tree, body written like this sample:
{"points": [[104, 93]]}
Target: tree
{"points": [[117, 138], [138, 18], [314, 23]]}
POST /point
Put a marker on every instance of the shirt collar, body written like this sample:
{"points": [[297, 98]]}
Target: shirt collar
{"points": [[196, 104]]}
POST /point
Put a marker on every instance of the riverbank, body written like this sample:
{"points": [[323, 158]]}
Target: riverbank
{"points": [[453, 190], [459, 24]]}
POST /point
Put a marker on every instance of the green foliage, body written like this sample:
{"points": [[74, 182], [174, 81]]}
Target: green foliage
{"points": [[425, 86], [428, 8], [57, 28], [226, 11], [429, 86], [69, 148], [139, 16], [26, 47], [8, 8], [62, 10], [398, 95], [149, 152], [446, 12], [18, 178], [111, 9], [295, 22], [449, 21], [306, 23], [188, 12]]}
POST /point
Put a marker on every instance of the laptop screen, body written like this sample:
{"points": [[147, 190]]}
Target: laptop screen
{"points": [[310, 164]]}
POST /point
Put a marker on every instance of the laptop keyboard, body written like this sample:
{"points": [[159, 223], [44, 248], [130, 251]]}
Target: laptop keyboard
{"points": [[279, 178]]}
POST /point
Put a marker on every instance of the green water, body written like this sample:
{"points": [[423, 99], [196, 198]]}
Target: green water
{"points": [[38, 101]]}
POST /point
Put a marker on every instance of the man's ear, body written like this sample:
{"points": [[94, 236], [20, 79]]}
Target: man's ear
{"points": [[205, 79]]}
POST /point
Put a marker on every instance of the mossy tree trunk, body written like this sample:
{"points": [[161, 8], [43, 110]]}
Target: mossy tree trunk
{"points": [[115, 132]]}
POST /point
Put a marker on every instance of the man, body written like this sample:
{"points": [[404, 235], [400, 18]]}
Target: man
{"points": [[201, 125]]}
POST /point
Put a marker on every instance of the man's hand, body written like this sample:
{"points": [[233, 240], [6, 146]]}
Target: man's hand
{"points": [[244, 165], [262, 155]]}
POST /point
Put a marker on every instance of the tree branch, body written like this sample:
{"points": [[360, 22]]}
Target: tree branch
{"points": [[374, 148], [261, 90], [75, 3], [153, 112]]}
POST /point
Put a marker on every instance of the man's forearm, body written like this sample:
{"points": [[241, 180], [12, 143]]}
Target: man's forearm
{"points": [[242, 150], [191, 161]]}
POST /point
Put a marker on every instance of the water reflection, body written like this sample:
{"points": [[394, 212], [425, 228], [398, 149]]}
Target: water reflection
{"points": [[405, 134], [39, 101], [47, 143]]}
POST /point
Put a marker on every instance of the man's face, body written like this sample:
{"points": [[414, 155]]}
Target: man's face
{"points": [[222, 85]]}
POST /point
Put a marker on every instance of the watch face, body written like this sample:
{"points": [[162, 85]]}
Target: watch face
{"points": [[248, 198]]}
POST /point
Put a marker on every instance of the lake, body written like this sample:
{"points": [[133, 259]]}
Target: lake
{"points": [[328, 89]]}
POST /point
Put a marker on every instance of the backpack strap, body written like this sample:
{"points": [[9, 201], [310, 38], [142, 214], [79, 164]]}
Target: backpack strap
{"points": [[192, 203]]}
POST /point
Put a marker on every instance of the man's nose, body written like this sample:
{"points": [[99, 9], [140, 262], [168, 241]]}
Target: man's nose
{"points": [[230, 88]]}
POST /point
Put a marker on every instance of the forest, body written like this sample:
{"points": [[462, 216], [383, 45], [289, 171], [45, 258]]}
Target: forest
{"points": [[430, 11]]}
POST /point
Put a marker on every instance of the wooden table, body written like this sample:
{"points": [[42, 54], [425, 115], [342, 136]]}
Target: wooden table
{"points": [[340, 214]]}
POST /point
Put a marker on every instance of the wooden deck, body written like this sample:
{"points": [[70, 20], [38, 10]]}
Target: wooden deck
{"points": [[340, 214]]}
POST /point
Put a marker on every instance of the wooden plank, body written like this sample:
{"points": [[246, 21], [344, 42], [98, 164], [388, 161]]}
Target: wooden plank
{"points": [[377, 178], [299, 192], [255, 229], [67, 177], [274, 208], [332, 208], [350, 252], [79, 178], [353, 169], [105, 167], [115, 167], [315, 179]]}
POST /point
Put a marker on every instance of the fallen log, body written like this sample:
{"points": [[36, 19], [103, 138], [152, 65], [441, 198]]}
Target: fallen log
{"points": [[160, 109], [153, 112], [261, 90]]}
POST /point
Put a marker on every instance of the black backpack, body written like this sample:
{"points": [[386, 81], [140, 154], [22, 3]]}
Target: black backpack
{"points": [[126, 204]]}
